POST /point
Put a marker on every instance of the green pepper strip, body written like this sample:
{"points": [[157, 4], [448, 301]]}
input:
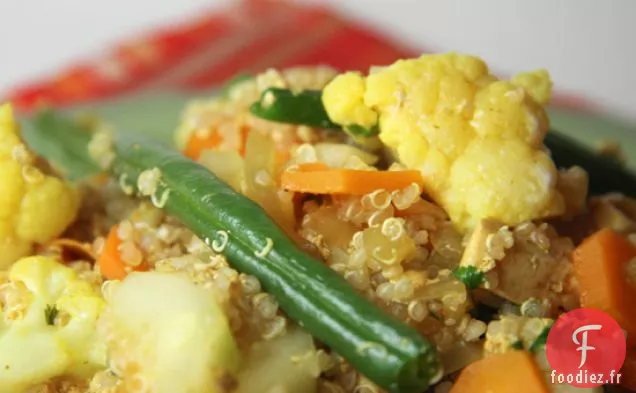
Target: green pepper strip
{"points": [[605, 174], [286, 106], [388, 352]]}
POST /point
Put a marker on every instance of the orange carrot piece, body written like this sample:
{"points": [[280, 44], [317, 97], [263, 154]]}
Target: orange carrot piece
{"points": [[600, 267], [110, 263], [514, 371], [628, 371], [316, 178], [199, 143]]}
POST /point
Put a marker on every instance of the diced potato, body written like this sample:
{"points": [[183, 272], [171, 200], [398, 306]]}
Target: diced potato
{"points": [[169, 335], [285, 364]]}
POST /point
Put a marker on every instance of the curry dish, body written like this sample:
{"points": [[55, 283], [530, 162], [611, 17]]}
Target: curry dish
{"points": [[402, 231]]}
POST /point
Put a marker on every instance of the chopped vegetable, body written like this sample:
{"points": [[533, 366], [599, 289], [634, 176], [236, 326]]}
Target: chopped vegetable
{"points": [[540, 341], [470, 276], [190, 347], [446, 115], [199, 142], [600, 265], [395, 356], [567, 152], [110, 262], [502, 373], [288, 364], [286, 106], [316, 178], [33, 348], [35, 207], [212, 140]]}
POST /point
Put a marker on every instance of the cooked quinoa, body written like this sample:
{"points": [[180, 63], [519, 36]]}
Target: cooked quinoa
{"points": [[491, 204]]}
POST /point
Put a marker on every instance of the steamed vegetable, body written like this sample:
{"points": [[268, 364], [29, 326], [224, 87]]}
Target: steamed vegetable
{"points": [[34, 207], [287, 364], [199, 142], [317, 178], [393, 355], [110, 261], [447, 116], [286, 106], [502, 373], [567, 152], [168, 335], [304, 108], [603, 266], [47, 324]]}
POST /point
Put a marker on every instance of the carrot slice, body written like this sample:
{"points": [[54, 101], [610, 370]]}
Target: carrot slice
{"points": [[316, 178], [628, 371], [514, 371], [199, 142], [600, 267], [110, 263]]}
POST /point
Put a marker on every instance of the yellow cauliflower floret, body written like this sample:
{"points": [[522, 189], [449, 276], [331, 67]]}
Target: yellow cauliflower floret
{"points": [[49, 314], [34, 207], [536, 83], [349, 108], [477, 140]]}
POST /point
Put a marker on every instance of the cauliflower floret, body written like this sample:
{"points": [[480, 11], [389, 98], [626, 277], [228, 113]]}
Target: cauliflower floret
{"points": [[477, 140], [167, 335], [349, 108], [47, 314], [34, 207]]}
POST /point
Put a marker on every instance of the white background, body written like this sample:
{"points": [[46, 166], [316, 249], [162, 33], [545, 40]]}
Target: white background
{"points": [[588, 45]]}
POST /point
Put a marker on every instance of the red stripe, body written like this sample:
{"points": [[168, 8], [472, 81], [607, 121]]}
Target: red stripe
{"points": [[301, 23], [350, 49]]}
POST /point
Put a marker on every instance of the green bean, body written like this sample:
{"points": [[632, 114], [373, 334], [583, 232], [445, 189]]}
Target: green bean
{"points": [[605, 174], [285, 106], [388, 352]]}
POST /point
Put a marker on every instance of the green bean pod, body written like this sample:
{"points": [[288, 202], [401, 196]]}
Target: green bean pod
{"points": [[606, 174], [391, 354]]}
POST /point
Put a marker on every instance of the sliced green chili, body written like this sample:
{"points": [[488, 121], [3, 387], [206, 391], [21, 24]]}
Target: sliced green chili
{"points": [[286, 106], [393, 355]]}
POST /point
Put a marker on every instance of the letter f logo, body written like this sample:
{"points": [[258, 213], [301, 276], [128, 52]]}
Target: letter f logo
{"points": [[583, 343]]}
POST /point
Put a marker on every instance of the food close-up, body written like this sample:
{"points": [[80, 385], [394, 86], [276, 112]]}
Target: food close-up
{"points": [[309, 232], [417, 226]]}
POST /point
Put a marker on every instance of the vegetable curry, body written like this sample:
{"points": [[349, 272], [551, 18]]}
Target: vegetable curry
{"points": [[416, 229]]}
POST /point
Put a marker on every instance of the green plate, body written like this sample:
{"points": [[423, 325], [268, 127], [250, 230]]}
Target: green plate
{"points": [[158, 113]]}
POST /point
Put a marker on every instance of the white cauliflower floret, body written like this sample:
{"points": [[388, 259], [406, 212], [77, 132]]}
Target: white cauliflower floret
{"points": [[167, 335], [48, 324], [34, 207], [478, 141]]}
